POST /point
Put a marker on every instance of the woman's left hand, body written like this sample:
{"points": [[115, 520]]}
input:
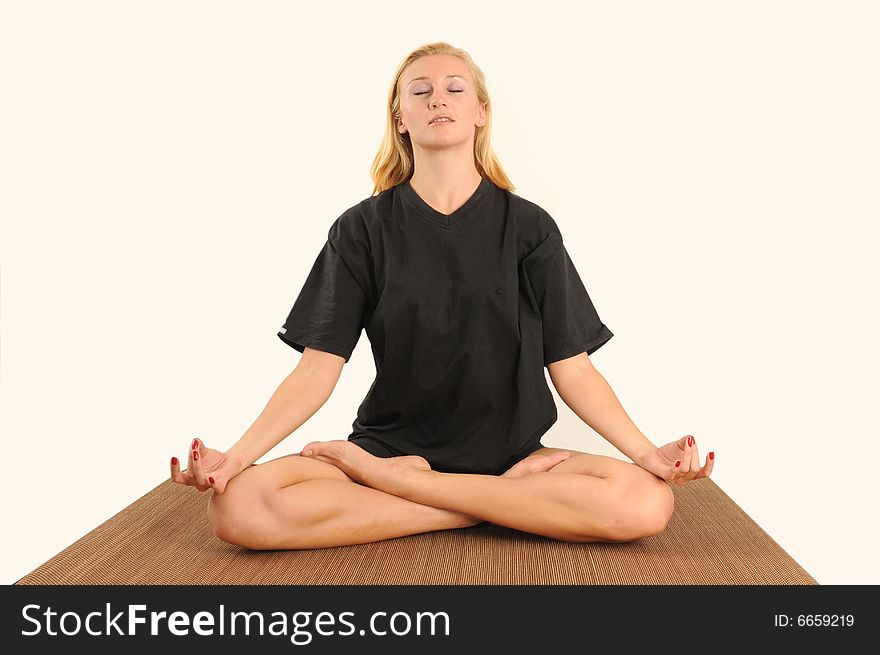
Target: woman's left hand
{"points": [[677, 462]]}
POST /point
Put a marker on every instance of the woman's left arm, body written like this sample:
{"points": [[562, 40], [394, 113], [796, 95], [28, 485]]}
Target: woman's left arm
{"points": [[586, 391]]}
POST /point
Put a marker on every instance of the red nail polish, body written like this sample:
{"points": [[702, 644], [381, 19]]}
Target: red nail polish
{"points": [[195, 444], [678, 463], [712, 455], [196, 455], [690, 441], [211, 480], [174, 461]]}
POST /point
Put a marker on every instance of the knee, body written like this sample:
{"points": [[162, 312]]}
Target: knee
{"points": [[235, 516], [647, 505]]}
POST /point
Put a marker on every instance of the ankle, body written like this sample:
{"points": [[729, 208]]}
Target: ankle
{"points": [[465, 520]]}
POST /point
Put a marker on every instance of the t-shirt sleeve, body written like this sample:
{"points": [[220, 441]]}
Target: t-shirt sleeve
{"points": [[569, 321], [328, 313]]}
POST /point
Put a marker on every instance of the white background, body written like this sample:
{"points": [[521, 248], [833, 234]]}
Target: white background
{"points": [[170, 170]]}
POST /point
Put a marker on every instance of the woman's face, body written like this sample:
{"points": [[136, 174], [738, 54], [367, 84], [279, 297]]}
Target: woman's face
{"points": [[439, 85]]}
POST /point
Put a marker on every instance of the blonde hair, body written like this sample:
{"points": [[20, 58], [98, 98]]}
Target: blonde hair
{"points": [[394, 163]]}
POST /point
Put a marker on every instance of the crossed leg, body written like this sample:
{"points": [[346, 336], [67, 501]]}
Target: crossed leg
{"points": [[298, 502], [585, 498], [295, 502], [601, 498]]}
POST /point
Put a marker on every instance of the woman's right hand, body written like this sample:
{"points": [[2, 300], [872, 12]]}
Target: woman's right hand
{"points": [[207, 468]]}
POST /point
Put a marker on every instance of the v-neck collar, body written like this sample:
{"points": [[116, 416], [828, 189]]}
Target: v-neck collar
{"points": [[446, 220]]}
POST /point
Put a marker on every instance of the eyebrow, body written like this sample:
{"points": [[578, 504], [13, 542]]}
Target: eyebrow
{"points": [[425, 78]]}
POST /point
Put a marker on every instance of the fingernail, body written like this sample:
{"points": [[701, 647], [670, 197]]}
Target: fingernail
{"points": [[690, 441], [712, 455], [173, 461], [307, 453], [211, 480], [195, 443], [196, 455], [678, 463]]}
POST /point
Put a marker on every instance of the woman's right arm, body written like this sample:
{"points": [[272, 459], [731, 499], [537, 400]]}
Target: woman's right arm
{"points": [[297, 398]]}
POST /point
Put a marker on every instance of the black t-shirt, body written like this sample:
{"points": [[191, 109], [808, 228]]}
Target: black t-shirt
{"points": [[462, 311]]}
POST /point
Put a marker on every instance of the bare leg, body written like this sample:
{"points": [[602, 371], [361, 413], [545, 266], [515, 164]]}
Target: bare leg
{"points": [[298, 502], [585, 498]]}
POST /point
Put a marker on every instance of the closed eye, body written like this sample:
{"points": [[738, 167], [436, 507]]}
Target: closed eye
{"points": [[421, 93]]}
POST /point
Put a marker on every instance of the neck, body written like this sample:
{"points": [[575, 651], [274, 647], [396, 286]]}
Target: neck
{"points": [[445, 182]]}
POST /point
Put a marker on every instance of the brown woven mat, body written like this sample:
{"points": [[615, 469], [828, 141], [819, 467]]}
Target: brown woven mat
{"points": [[165, 538]]}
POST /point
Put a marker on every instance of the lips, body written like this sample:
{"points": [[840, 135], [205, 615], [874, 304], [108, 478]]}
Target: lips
{"points": [[434, 120]]}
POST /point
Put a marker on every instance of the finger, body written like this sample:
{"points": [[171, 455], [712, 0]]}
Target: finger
{"points": [[184, 476], [680, 477], [706, 469], [695, 459], [686, 458], [176, 475], [676, 472], [190, 462], [710, 463], [198, 471]]}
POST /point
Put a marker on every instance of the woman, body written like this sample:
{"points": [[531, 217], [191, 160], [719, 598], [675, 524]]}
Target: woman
{"points": [[466, 292]]}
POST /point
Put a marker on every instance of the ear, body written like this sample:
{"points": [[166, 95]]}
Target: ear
{"points": [[481, 115]]}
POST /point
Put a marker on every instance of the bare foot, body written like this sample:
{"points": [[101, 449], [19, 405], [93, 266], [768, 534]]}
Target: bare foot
{"points": [[381, 473], [536, 464]]}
